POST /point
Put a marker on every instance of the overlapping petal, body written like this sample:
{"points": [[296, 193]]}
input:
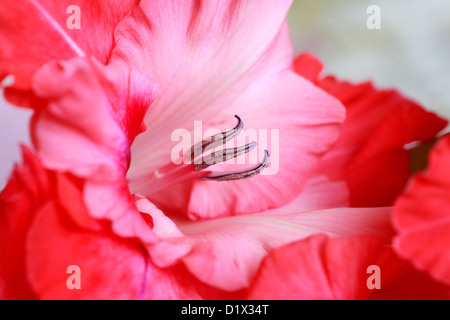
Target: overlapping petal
{"points": [[235, 246], [19, 197], [422, 217], [370, 155], [46, 228], [212, 60], [36, 32], [90, 116], [109, 266], [320, 268], [43, 220]]}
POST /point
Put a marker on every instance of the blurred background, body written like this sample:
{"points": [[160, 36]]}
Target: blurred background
{"points": [[411, 53]]}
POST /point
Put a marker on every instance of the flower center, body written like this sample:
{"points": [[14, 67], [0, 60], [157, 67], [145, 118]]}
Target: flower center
{"points": [[201, 160]]}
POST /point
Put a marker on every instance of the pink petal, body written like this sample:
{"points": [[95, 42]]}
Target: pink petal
{"points": [[215, 59], [320, 193], [422, 217], [43, 23], [90, 116], [323, 268], [87, 122], [112, 201], [226, 252], [163, 227], [176, 283]]}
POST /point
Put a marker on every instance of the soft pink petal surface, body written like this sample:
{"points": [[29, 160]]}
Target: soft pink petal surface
{"points": [[90, 116], [234, 246], [215, 59]]}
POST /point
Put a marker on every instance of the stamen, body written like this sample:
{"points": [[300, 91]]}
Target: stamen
{"points": [[173, 174], [216, 140], [224, 155], [243, 174]]}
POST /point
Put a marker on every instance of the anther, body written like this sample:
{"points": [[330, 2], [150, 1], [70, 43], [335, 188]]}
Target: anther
{"points": [[201, 161], [243, 174], [223, 155], [216, 140]]}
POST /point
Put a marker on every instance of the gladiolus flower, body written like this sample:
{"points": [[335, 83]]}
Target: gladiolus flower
{"points": [[100, 189]]}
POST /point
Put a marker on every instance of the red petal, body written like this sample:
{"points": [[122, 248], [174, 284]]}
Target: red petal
{"points": [[43, 225], [308, 66], [369, 154], [45, 228], [380, 169], [27, 189], [33, 32], [413, 285], [422, 216], [323, 268], [110, 267]]}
